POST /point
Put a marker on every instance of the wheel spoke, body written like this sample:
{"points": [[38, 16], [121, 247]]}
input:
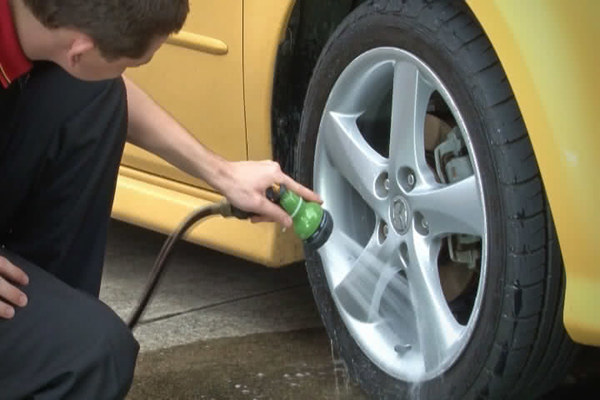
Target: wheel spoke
{"points": [[362, 289], [353, 158], [410, 98], [454, 208], [366, 81], [438, 330]]}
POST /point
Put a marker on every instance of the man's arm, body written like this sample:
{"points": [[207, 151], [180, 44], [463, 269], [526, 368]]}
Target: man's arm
{"points": [[243, 183]]}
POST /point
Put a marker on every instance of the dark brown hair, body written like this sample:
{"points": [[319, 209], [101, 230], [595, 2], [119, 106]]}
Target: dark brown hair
{"points": [[119, 28]]}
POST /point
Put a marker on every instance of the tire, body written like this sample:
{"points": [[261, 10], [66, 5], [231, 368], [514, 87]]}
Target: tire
{"points": [[443, 277]]}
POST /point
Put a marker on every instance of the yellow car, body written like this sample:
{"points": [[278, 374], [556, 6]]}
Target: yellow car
{"points": [[456, 147]]}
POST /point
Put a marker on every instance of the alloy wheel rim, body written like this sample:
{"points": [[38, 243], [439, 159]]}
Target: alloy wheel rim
{"points": [[393, 217]]}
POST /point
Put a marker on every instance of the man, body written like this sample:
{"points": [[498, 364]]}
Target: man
{"points": [[65, 113]]}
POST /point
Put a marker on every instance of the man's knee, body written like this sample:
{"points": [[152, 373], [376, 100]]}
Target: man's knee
{"points": [[110, 354], [67, 344], [97, 355]]}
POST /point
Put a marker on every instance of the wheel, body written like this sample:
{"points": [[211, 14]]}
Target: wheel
{"points": [[442, 277]]}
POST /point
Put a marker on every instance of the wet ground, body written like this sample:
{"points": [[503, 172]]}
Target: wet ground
{"points": [[222, 328], [292, 365]]}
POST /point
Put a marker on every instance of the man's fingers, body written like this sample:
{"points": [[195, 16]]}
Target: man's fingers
{"points": [[6, 311], [258, 218], [291, 184], [307, 193], [301, 190], [12, 273], [11, 294], [272, 212]]}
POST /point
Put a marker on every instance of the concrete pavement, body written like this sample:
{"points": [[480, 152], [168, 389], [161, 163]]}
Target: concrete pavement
{"points": [[204, 294], [220, 327]]}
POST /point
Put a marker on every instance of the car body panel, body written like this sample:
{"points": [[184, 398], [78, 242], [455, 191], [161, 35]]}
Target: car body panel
{"points": [[203, 87], [199, 77], [549, 50]]}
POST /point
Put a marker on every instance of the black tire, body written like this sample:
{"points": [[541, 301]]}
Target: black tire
{"points": [[519, 348]]}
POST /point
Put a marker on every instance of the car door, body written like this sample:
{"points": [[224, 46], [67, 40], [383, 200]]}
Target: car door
{"points": [[197, 77]]}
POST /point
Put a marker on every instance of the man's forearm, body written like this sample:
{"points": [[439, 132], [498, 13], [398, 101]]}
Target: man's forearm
{"points": [[243, 182], [153, 129]]}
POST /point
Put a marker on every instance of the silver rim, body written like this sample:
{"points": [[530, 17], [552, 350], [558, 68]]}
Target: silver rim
{"points": [[405, 226]]}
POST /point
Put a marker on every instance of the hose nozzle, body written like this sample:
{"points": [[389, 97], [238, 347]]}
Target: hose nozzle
{"points": [[311, 222]]}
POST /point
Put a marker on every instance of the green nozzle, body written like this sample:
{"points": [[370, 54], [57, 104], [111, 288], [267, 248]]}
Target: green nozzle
{"points": [[311, 223]]}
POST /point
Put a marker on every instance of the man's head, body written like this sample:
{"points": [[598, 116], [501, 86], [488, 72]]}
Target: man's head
{"points": [[100, 38]]}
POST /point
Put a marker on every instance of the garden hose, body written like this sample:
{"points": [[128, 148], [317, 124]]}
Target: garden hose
{"points": [[311, 223]]}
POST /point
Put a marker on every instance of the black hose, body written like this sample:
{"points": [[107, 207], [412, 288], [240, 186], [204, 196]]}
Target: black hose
{"points": [[223, 208]]}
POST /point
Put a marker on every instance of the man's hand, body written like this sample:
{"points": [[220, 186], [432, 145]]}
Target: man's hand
{"points": [[10, 295], [246, 183]]}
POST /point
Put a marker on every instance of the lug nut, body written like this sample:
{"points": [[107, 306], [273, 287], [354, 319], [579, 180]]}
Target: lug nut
{"points": [[382, 232], [411, 180], [386, 184]]}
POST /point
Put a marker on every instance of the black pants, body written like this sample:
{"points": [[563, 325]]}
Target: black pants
{"points": [[61, 142]]}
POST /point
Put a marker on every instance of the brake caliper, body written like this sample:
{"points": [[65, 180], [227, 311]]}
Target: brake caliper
{"points": [[453, 164]]}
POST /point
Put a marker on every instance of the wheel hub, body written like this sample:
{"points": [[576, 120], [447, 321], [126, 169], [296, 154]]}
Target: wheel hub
{"points": [[401, 214]]}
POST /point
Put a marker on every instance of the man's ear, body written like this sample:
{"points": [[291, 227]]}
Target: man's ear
{"points": [[80, 45]]}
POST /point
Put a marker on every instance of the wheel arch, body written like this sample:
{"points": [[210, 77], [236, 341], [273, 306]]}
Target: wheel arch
{"points": [[310, 25]]}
